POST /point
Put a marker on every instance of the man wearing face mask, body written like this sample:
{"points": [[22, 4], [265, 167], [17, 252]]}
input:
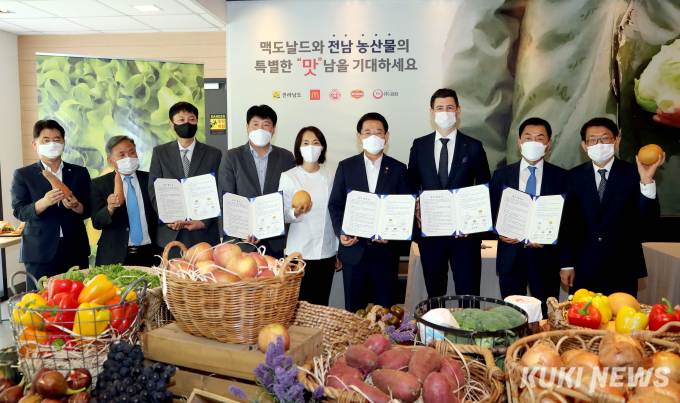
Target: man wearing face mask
{"points": [[255, 168], [127, 226], [54, 238], [537, 265], [612, 203], [448, 159], [369, 267], [184, 158]]}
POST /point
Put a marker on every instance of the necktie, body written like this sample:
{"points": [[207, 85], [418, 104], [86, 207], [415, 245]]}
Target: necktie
{"points": [[185, 163], [443, 172], [603, 183], [136, 235], [531, 183]]}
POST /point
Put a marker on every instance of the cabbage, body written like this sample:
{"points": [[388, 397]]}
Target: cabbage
{"points": [[659, 83]]}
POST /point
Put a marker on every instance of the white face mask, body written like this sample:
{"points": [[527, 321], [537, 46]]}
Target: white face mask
{"points": [[260, 137], [445, 120], [373, 144], [533, 150], [601, 153], [311, 153], [51, 150], [128, 166]]}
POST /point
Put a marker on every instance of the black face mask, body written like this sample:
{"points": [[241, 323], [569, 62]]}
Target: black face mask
{"points": [[186, 130]]}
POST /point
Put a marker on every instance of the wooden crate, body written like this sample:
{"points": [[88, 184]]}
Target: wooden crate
{"points": [[171, 345], [201, 396], [184, 383]]}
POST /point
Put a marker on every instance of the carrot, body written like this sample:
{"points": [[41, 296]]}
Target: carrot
{"points": [[118, 188], [57, 184]]}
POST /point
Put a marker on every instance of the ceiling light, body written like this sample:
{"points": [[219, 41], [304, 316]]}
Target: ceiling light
{"points": [[5, 11], [150, 7]]}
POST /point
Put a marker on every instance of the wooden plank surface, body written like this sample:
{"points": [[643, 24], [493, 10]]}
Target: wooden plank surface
{"points": [[6, 242], [170, 344], [202, 396], [186, 382]]}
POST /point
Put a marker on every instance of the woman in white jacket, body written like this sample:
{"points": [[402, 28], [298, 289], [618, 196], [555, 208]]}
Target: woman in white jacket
{"points": [[311, 231]]}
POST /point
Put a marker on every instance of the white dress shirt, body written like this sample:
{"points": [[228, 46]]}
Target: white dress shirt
{"points": [[449, 147], [372, 172], [525, 174], [146, 239], [60, 175], [649, 191], [310, 234], [190, 148]]}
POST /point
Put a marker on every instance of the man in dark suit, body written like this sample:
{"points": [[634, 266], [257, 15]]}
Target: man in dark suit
{"points": [[254, 169], [54, 237], [184, 158], [128, 227], [448, 159], [612, 203], [534, 264], [369, 267]]}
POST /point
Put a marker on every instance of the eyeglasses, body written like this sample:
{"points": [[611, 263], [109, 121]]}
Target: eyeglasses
{"points": [[603, 140], [366, 135], [46, 140]]}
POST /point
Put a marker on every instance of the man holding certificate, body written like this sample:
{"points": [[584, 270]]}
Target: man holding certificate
{"points": [[612, 204], [448, 159], [535, 264], [369, 265], [180, 160]]}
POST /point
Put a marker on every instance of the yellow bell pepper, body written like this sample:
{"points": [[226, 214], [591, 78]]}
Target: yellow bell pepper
{"points": [[91, 321], [581, 294], [26, 317], [601, 303], [99, 290], [130, 296], [629, 319]]}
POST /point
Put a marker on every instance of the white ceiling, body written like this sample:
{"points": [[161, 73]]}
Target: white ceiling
{"points": [[63, 17]]}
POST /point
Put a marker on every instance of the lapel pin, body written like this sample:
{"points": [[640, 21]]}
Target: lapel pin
{"points": [[69, 169]]}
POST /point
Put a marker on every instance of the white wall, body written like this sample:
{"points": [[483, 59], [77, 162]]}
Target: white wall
{"points": [[11, 156]]}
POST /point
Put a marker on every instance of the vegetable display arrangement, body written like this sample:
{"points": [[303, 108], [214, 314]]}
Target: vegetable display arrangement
{"points": [[50, 387], [495, 319]]}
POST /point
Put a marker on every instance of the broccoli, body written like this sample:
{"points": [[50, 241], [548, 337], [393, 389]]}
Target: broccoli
{"points": [[458, 316], [471, 324], [492, 322], [513, 315]]}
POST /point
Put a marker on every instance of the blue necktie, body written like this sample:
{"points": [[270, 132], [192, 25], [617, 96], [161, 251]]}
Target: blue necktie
{"points": [[531, 183], [133, 213]]}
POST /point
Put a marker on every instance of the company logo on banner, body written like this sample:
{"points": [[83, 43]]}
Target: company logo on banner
{"points": [[357, 94], [276, 94], [334, 95], [377, 94], [315, 95]]}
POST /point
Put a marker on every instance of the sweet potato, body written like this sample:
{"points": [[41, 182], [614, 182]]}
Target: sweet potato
{"points": [[397, 359], [362, 358], [378, 343], [339, 370], [425, 361], [397, 384], [436, 389], [343, 382], [452, 368], [118, 188], [456, 386], [57, 184], [341, 361]]}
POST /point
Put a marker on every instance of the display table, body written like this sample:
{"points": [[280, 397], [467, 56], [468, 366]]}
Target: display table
{"points": [[5, 242], [663, 269]]}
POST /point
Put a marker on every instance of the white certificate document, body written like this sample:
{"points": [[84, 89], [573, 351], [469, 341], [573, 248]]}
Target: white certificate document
{"points": [[187, 199], [455, 211], [531, 219], [261, 217], [373, 216]]}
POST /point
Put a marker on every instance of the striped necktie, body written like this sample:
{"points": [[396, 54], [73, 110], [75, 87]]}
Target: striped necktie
{"points": [[603, 182], [185, 163]]}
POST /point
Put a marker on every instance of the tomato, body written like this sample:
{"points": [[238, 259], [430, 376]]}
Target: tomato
{"points": [[396, 310]]}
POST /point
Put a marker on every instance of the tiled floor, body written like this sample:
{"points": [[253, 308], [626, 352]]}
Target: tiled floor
{"points": [[5, 330]]}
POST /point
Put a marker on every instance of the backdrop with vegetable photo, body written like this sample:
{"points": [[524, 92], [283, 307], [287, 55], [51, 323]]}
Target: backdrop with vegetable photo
{"points": [[95, 99]]}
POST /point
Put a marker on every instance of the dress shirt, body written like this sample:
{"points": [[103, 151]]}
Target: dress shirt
{"points": [[525, 174], [190, 148], [649, 191], [146, 239], [372, 172], [261, 164], [450, 146], [59, 174], [310, 234]]}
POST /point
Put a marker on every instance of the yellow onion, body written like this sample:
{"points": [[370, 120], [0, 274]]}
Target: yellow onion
{"points": [[541, 354], [650, 397], [604, 386], [585, 359], [620, 350], [672, 389], [665, 359], [525, 397], [568, 355]]}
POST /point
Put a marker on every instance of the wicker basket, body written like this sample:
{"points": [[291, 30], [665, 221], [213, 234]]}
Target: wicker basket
{"points": [[233, 312], [557, 312], [564, 340], [488, 376], [339, 326]]}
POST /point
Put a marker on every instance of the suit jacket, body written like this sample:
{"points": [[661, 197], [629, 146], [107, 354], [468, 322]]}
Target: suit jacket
{"points": [[113, 242], [238, 175], [554, 182], [40, 238], [351, 175], [607, 234], [166, 162]]}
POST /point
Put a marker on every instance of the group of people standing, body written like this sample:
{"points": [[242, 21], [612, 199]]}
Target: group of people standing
{"points": [[607, 203]]}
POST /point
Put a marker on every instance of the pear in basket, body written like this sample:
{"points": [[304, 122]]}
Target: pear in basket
{"points": [[223, 253], [180, 265], [244, 266], [200, 252]]}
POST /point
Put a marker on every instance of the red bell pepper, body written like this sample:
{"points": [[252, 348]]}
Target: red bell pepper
{"points": [[59, 312], [662, 314], [70, 287], [123, 315], [583, 314]]}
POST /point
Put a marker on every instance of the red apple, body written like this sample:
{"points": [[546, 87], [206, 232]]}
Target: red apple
{"points": [[224, 252], [222, 276], [244, 253], [265, 273], [244, 266], [271, 262], [205, 266], [199, 253], [260, 260], [269, 333], [177, 265]]}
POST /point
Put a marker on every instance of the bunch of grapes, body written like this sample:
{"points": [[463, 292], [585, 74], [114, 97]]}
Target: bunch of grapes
{"points": [[124, 378]]}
